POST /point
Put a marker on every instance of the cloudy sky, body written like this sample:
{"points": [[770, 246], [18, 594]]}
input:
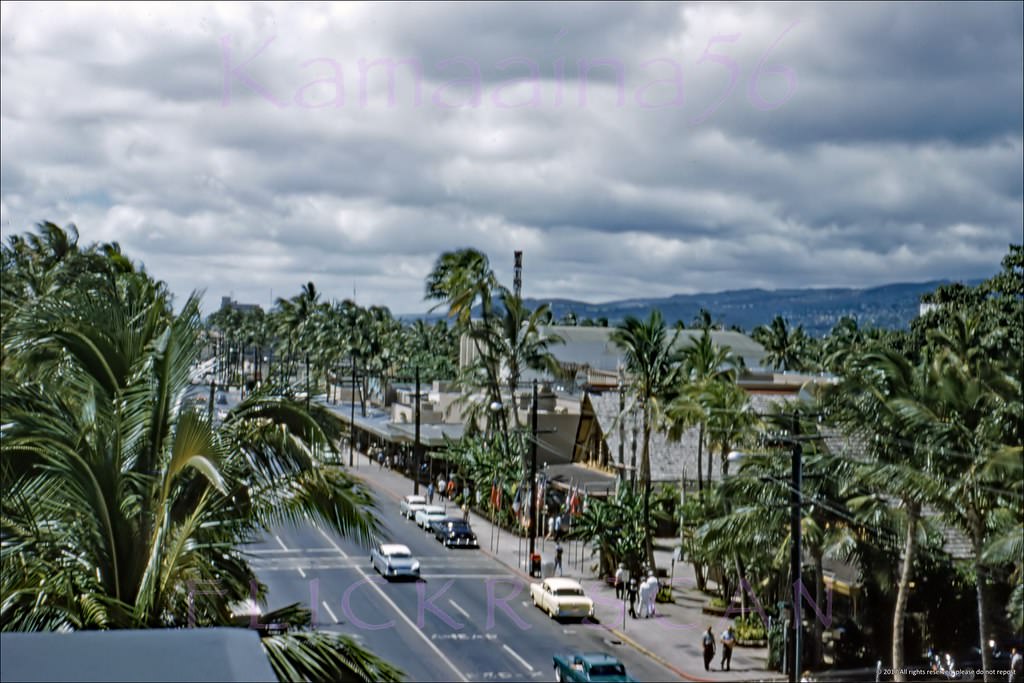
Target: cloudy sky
{"points": [[628, 149]]}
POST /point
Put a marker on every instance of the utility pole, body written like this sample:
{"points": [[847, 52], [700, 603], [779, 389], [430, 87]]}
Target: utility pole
{"points": [[517, 279], [797, 576], [533, 473], [352, 416], [416, 443]]}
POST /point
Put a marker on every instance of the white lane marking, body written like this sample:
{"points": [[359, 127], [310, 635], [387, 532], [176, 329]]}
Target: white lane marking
{"points": [[515, 654], [327, 607], [391, 602], [280, 541], [301, 573], [461, 611]]}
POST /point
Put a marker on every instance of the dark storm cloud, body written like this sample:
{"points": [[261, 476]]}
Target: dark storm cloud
{"points": [[195, 136]]}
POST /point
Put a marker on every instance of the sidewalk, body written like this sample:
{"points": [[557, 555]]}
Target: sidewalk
{"points": [[672, 637]]}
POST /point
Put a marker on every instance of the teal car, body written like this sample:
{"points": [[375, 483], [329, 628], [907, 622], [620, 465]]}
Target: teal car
{"points": [[590, 666]]}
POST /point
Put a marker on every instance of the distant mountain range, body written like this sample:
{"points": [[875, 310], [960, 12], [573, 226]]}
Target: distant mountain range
{"points": [[890, 306]]}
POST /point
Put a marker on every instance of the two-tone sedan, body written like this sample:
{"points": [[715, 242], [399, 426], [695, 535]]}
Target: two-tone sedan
{"points": [[410, 505], [393, 560], [427, 514], [561, 597]]}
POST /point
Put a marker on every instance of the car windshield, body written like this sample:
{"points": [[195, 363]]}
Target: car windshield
{"points": [[569, 591], [607, 670], [399, 554]]}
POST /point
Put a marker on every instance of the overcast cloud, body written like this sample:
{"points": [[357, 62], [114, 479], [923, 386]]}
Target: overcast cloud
{"points": [[243, 149]]}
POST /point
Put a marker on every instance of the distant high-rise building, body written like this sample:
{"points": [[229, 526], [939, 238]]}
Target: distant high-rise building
{"points": [[226, 303]]}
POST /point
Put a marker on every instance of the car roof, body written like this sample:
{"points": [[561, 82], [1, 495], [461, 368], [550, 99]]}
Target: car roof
{"points": [[392, 548], [556, 583], [598, 658], [415, 499], [433, 510]]}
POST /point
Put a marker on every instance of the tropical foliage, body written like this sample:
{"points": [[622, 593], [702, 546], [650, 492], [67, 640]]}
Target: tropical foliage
{"points": [[121, 494]]}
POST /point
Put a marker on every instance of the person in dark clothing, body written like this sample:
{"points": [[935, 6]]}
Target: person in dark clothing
{"points": [[709, 648], [631, 592], [558, 558]]}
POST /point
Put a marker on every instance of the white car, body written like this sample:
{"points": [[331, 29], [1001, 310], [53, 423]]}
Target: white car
{"points": [[394, 560], [429, 513], [410, 504], [561, 597]]}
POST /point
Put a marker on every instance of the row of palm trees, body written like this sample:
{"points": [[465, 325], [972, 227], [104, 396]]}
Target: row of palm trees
{"points": [[319, 344], [125, 505]]}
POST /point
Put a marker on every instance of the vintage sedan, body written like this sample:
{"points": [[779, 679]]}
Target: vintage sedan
{"points": [[427, 514], [393, 560], [454, 532], [561, 597], [590, 666], [410, 504]]}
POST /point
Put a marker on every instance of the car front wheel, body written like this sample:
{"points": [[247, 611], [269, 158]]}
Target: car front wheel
{"points": [[558, 673]]}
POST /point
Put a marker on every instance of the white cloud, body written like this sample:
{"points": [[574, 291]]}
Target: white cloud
{"points": [[895, 156]]}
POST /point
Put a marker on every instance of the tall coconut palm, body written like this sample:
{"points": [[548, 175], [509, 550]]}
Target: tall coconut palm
{"points": [[514, 343], [652, 364], [462, 279], [704, 363], [120, 494]]}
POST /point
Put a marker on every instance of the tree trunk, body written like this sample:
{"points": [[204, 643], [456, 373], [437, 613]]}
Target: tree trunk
{"points": [[978, 543], [700, 461], [819, 599], [710, 459], [903, 593], [645, 473]]}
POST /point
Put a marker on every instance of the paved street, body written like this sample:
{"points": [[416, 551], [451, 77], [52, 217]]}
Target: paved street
{"points": [[469, 618]]}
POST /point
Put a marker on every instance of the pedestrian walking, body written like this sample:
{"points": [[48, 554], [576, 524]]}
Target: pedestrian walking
{"points": [[465, 494], [620, 581], [558, 527], [558, 557], [465, 512], [430, 494], [1016, 666], [380, 460], [728, 642], [709, 648], [451, 489], [551, 527], [440, 484], [652, 593], [631, 596]]}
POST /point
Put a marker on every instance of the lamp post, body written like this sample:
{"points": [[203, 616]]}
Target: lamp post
{"points": [[352, 416], [416, 443], [533, 472]]}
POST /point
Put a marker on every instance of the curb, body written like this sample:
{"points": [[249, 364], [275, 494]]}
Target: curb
{"points": [[619, 634]]}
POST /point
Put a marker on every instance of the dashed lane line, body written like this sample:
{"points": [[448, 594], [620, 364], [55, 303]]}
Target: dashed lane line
{"points": [[516, 655], [400, 613], [459, 609], [327, 607]]}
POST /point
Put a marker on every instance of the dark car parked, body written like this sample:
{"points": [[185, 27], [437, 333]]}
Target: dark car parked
{"points": [[454, 532]]}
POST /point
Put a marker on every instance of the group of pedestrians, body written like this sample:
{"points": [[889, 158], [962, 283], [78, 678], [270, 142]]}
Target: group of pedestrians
{"points": [[645, 592], [728, 643]]}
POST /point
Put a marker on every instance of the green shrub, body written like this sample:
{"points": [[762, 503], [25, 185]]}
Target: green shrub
{"points": [[750, 627]]}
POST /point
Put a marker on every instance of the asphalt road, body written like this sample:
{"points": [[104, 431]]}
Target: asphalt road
{"points": [[468, 618]]}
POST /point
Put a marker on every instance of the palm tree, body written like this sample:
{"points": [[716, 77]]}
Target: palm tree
{"points": [[461, 279], [120, 493], [703, 364], [514, 343], [786, 349], [652, 365]]}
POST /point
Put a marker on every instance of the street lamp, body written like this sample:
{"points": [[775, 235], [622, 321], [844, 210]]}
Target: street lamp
{"points": [[795, 497]]}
